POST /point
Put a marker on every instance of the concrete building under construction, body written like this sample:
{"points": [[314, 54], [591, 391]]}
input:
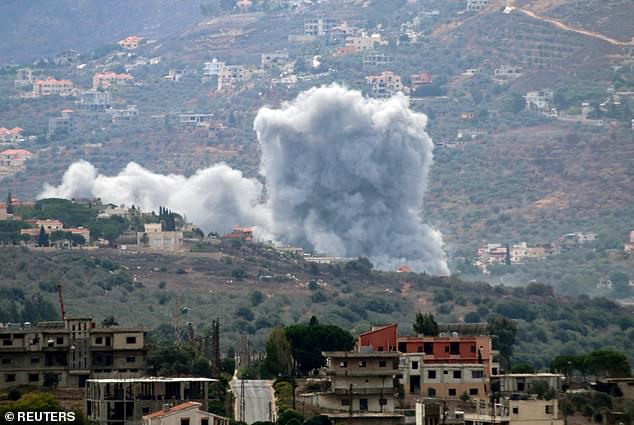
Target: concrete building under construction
{"points": [[126, 401], [68, 352]]}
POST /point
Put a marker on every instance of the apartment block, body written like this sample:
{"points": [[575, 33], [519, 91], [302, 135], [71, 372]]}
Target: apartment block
{"points": [[386, 84], [230, 77], [50, 86], [361, 385], [73, 349]]}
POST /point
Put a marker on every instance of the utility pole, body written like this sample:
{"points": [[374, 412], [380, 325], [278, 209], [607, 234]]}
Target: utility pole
{"points": [[215, 346]]}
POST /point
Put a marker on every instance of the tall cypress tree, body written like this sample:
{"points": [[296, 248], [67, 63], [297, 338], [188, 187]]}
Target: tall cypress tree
{"points": [[9, 205], [42, 239]]}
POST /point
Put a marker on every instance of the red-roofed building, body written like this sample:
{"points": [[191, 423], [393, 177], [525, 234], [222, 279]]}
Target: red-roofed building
{"points": [[380, 338], [50, 86], [346, 50], [13, 135], [14, 158], [422, 79], [106, 79], [240, 232], [185, 413], [130, 43], [448, 365]]}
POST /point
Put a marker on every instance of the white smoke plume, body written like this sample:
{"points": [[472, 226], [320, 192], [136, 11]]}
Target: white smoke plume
{"points": [[344, 175], [215, 198]]}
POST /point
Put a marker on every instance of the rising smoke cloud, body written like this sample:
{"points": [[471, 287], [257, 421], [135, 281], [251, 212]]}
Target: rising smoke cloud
{"points": [[344, 175]]}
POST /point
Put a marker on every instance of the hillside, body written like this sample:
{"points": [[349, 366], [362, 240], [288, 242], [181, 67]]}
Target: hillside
{"points": [[273, 290], [40, 28], [525, 177]]}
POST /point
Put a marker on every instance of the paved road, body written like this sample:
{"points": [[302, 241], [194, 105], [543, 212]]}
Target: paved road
{"points": [[258, 399]]}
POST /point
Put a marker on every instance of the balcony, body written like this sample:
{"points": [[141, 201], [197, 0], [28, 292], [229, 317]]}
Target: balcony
{"points": [[387, 391], [361, 372]]}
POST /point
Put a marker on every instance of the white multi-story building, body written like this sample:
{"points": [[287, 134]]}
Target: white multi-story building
{"points": [[539, 100], [476, 5], [386, 84], [230, 76], [212, 69]]}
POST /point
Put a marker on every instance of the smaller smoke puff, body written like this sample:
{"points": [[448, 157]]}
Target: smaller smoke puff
{"points": [[215, 198]]}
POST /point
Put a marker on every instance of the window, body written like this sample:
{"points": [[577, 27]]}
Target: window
{"points": [[6, 342], [494, 371], [431, 392], [452, 392], [382, 363], [550, 409], [34, 377], [477, 374], [60, 340], [431, 374], [473, 391], [362, 363], [184, 421], [402, 347], [473, 348], [130, 359], [343, 364], [35, 360], [414, 365], [9, 377], [380, 348], [382, 401], [363, 404], [6, 361], [420, 349], [429, 348], [454, 348], [204, 421], [99, 340], [516, 410], [345, 402], [145, 410], [457, 374], [132, 340], [446, 348]]}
